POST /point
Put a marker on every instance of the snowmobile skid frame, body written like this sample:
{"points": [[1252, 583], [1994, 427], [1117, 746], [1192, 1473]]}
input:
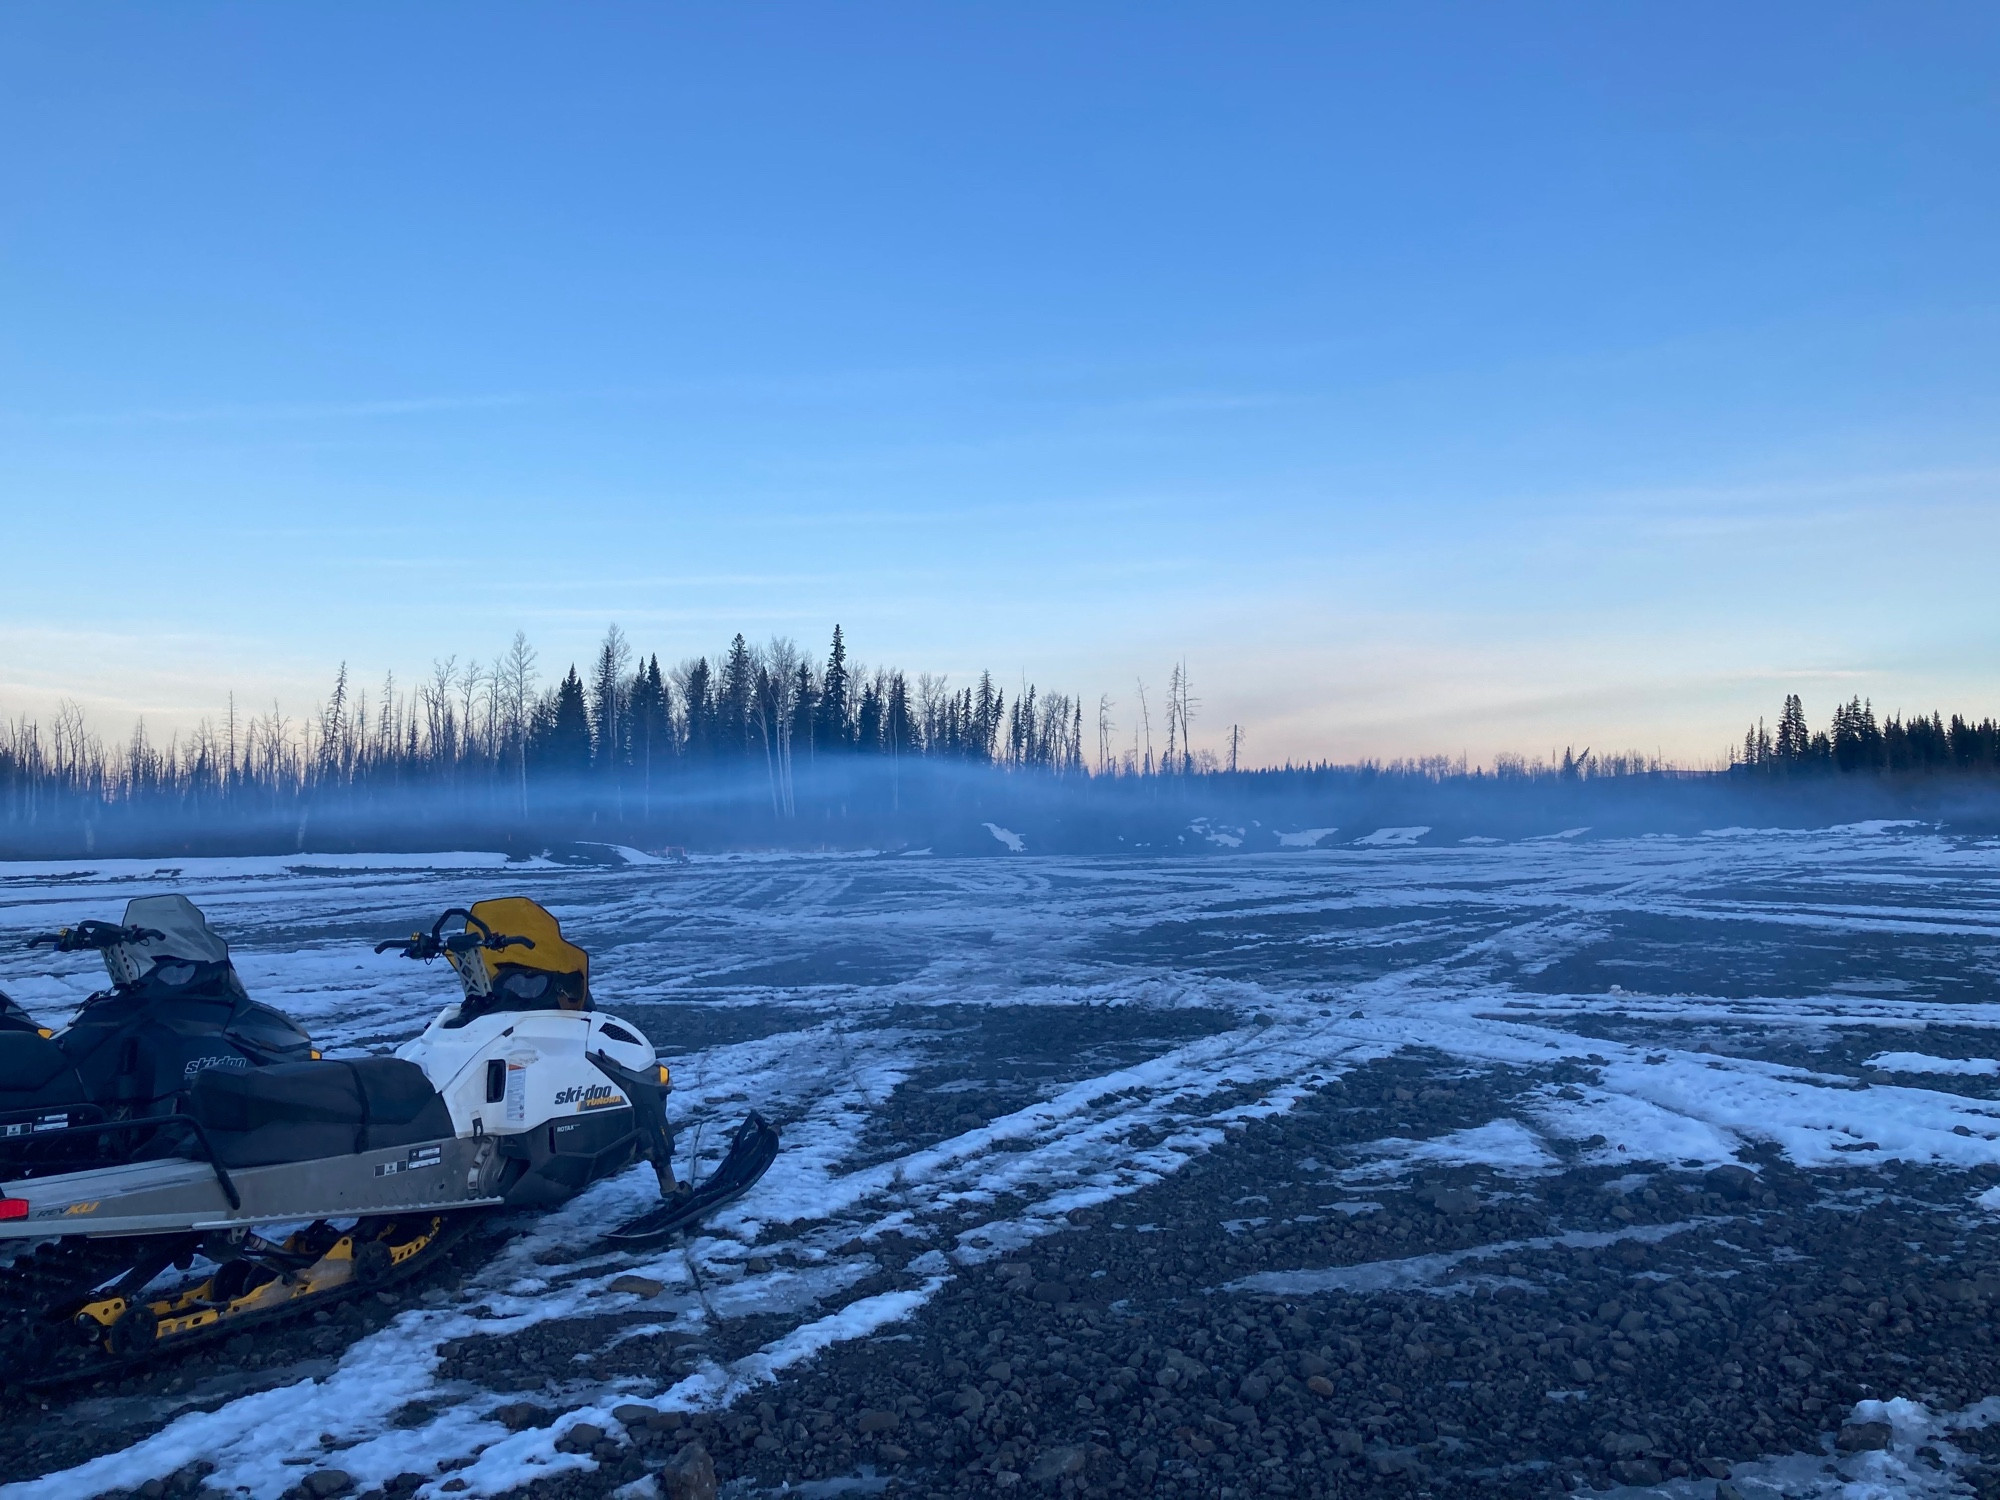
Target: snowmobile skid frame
{"points": [[66, 1320]]}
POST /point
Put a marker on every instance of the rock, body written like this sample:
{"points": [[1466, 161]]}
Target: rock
{"points": [[1348, 1443], [1581, 1371], [1624, 1445], [1453, 1201], [1727, 1491], [871, 1422], [1057, 1462], [1637, 1471], [324, 1482], [890, 1453], [633, 1415], [1864, 1437], [580, 1438], [1731, 1181], [688, 1475], [1714, 1468], [519, 1416], [1000, 1371], [638, 1286], [1055, 1293], [1320, 1386], [1253, 1388]]}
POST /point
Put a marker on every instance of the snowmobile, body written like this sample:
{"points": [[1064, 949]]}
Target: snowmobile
{"points": [[519, 1095], [175, 1010]]}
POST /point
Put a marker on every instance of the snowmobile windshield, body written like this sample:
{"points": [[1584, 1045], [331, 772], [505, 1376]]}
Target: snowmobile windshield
{"points": [[13, 1017], [185, 935], [552, 975]]}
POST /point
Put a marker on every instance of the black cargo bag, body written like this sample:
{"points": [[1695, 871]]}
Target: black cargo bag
{"points": [[255, 1117]]}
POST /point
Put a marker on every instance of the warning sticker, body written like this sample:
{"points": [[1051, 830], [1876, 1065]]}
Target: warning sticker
{"points": [[419, 1158]]}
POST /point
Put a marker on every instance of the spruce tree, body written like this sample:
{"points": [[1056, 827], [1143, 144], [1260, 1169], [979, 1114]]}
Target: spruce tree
{"points": [[733, 698], [569, 749], [700, 712], [833, 690]]}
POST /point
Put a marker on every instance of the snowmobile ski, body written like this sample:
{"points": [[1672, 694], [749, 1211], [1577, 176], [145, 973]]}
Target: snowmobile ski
{"points": [[751, 1152]]}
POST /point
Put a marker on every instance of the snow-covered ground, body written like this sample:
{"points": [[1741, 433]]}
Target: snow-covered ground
{"points": [[1712, 987]]}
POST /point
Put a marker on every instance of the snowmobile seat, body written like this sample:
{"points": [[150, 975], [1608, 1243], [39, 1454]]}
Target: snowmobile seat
{"points": [[257, 1117], [552, 975], [35, 1073]]}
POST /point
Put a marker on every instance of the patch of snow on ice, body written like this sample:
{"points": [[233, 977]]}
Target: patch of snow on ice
{"points": [[1504, 1145], [1305, 838], [1006, 836], [1428, 1270], [1386, 836], [1918, 1062]]}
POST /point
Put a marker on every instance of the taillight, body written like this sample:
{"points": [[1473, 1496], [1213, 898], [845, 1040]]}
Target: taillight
{"points": [[13, 1208]]}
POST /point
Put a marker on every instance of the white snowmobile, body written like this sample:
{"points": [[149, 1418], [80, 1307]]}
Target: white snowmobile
{"points": [[518, 1096]]}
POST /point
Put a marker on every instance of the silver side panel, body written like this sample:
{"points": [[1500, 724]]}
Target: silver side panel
{"points": [[165, 1196]]}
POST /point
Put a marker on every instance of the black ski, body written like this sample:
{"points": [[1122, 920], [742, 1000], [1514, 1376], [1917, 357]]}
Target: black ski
{"points": [[751, 1152]]}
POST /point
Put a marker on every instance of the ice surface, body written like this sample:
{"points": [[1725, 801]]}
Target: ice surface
{"points": [[800, 985], [1007, 836]]}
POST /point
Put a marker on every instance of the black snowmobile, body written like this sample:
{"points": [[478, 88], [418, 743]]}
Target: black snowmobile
{"points": [[175, 1010], [520, 1095]]}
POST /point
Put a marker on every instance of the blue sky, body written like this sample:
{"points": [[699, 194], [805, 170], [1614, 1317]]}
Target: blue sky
{"points": [[1467, 378]]}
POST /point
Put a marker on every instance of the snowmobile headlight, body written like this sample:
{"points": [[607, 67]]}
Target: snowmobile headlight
{"points": [[313, 1052], [666, 1078], [13, 1208], [43, 1032]]}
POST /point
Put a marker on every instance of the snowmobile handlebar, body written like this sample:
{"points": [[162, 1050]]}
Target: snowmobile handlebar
{"points": [[436, 944], [93, 937]]}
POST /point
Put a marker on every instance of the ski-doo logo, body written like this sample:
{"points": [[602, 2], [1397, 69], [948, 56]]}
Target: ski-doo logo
{"points": [[219, 1060], [596, 1096]]}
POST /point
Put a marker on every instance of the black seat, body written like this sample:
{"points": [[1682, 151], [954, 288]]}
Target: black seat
{"points": [[255, 1117], [36, 1074]]}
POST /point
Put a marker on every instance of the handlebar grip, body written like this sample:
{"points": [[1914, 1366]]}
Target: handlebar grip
{"points": [[510, 942]]}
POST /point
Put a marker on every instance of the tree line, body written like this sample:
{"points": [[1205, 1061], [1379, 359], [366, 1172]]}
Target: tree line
{"points": [[1855, 742], [622, 734]]}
